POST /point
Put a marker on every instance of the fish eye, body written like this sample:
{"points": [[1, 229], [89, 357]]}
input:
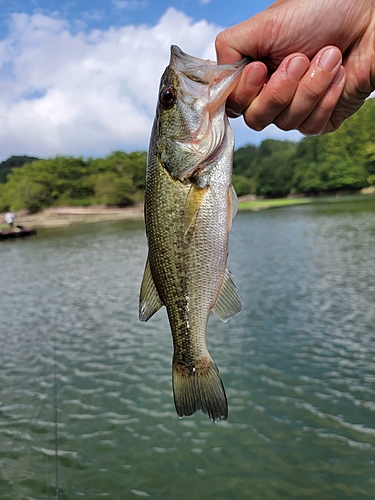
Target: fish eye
{"points": [[167, 97]]}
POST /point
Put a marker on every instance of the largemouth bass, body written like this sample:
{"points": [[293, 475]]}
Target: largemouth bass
{"points": [[189, 205]]}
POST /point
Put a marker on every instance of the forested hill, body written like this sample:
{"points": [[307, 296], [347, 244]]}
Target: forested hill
{"points": [[344, 160], [118, 179], [8, 165]]}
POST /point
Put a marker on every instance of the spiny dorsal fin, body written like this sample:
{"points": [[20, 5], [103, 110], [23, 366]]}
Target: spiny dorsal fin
{"points": [[192, 205], [228, 303], [149, 300]]}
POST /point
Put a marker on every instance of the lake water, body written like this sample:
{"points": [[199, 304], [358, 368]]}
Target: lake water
{"points": [[298, 365]]}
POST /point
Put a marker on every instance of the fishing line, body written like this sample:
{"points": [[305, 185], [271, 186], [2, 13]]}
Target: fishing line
{"points": [[57, 465]]}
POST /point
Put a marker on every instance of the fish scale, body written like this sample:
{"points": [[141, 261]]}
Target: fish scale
{"points": [[188, 211]]}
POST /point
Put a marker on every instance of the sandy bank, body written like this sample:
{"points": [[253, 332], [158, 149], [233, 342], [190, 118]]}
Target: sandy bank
{"points": [[65, 216]]}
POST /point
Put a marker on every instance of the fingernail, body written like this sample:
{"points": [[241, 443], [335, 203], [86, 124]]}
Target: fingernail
{"points": [[256, 76], [339, 76], [330, 59], [297, 67]]}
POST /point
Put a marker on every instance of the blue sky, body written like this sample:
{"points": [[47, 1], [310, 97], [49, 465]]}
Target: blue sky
{"points": [[102, 14], [81, 77]]}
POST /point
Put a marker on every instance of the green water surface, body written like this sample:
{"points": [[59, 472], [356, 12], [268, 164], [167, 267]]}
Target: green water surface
{"points": [[298, 365]]}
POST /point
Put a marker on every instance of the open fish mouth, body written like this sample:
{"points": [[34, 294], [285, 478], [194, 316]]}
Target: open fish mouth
{"points": [[203, 87], [219, 80]]}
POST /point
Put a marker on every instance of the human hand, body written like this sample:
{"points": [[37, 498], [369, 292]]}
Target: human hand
{"points": [[312, 97]]}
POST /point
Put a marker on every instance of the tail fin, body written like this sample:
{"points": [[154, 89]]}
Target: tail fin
{"points": [[199, 388]]}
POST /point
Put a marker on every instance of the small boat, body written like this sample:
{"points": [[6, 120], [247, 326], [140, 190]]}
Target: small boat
{"points": [[20, 233]]}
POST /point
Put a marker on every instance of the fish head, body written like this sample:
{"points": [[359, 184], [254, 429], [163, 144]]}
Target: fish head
{"points": [[190, 121]]}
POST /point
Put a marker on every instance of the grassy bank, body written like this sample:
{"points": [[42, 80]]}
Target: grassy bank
{"points": [[272, 203]]}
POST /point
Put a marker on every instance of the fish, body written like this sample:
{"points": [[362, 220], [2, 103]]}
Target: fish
{"points": [[189, 206]]}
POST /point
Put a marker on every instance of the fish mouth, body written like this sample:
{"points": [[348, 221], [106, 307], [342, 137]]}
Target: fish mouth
{"points": [[210, 84], [221, 78]]}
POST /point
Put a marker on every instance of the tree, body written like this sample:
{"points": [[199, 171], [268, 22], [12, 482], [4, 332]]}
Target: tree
{"points": [[267, 168], [8, 165], [342, 160], [275, 168], [118, 179], [114, 189]]}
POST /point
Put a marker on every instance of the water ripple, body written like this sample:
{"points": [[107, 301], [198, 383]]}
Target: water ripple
{"points": [[297, 364]]}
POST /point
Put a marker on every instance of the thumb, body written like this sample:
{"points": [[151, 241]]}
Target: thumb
{"points": [[252, 38]]}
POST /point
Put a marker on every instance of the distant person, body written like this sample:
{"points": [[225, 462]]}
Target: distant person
{"points": [[313, 63], [9, 219]]}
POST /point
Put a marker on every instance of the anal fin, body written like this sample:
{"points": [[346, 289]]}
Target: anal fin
{"points": [[228, 303], [149, 300]]}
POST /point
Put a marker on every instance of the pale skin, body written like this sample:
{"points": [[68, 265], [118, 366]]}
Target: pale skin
{"points": [[313, 63]]}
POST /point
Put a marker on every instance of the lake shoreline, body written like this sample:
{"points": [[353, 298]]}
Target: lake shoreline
{"points": [[68, 215]]}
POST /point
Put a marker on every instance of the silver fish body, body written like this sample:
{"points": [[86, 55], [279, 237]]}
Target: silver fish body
{"points": [[189, 205]]}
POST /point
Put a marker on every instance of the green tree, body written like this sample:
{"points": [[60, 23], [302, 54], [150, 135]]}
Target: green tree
{"points": [[342, 160], [118, 179], [8, 165], [31, 187], [268, 168], [243, 185], [114, 189], [123, 177], [275, 168]]}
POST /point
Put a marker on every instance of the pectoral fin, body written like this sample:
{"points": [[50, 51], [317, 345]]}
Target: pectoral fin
{"points": [[228, 303], [232, 206], [149, 300], [192, 205]]}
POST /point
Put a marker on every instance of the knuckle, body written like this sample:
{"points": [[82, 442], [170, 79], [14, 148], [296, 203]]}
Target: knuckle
{"points": [[278, 99], [312, 92], [283, 126], [311, 128], [221, 40], [283, 122], [325, 107]]}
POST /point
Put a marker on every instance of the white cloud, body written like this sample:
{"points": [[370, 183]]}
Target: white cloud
{"points": [[86, 93]]}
